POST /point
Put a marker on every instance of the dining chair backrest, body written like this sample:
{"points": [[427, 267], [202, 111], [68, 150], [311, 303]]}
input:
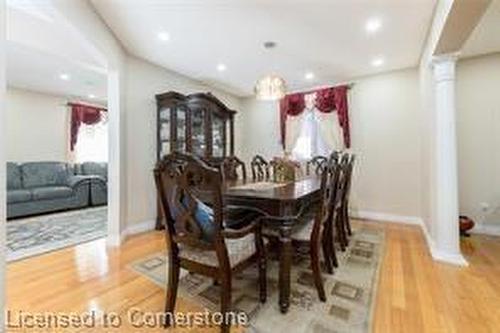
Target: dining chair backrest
{"points": [[346, 166], [260, 168], [317, 165], [182, 181], [230, 167], [349, 172], [330, 178]]}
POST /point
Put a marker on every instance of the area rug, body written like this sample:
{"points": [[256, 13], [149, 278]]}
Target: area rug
{"points": [[45, 233], [350, 291]]}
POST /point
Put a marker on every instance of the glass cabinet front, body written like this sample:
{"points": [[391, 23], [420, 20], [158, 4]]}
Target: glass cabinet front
{"points": [[199, 124], [164, 128], [198, 138], [181, 128], [218, 136]]}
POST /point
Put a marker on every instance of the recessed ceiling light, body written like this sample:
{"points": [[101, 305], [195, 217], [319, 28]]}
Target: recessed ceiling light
{"points": [[164, 36], [377, 62], [221, 67], [64, 76], [91, 96], [373, 25], [309, 76]]}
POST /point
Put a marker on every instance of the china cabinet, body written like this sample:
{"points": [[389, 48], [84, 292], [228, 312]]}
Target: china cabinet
{"points": [[198, 123]]}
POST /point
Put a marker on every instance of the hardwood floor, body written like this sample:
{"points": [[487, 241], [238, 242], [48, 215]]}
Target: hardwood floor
{"points": [[414, 294]]}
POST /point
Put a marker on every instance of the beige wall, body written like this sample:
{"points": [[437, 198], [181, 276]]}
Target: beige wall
{"points": [[143, 82], [385, 124], [37, 126], [478, 131]]}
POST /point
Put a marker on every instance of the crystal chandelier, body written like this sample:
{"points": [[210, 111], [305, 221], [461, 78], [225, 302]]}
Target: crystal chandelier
{"points": [[270, 87]]}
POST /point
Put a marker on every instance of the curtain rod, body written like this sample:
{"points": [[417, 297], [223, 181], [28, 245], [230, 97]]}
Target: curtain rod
{"points": [[100, 107], [309, 91]]}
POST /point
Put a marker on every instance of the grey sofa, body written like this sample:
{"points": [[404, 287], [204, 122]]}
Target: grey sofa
{"points": [[42, 187], [98, 175]]}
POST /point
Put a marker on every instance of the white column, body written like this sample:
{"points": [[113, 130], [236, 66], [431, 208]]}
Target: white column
{"points": [[3, 158], [447, 238]]}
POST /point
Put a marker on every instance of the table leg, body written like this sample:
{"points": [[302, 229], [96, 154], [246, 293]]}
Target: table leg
{"points": [[286, 254]]}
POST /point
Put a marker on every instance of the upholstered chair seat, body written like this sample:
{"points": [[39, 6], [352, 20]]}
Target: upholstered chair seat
{"points": [[238, 250]]}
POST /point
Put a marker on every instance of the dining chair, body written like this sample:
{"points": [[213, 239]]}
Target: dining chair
{"points": [[349, 166], [198, 238], [316, 164], [260, 168], [230, 167], [341, 208], [312, 230]]}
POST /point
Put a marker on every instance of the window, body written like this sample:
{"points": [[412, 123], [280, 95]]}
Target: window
{"points": [[92, 144], [309, 142]]}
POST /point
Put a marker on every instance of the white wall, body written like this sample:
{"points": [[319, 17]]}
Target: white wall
{"points": [[144, 80], [385, 123], [37, 126], [427, 114], [384, 111], [478, 130], [94, 34], [3, 184]]}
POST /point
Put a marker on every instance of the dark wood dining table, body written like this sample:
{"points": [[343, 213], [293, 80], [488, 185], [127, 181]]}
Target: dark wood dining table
{"points": [[282, 203]]}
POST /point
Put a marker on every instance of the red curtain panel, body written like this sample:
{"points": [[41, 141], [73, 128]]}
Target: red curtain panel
{"points": [[327, 100], [83, 114]]}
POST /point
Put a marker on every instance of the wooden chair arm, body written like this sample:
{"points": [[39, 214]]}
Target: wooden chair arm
{"points": [[253, 227]]}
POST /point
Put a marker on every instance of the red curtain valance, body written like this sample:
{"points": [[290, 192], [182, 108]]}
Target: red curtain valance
{"points": [[83, 114], [327, 100]]}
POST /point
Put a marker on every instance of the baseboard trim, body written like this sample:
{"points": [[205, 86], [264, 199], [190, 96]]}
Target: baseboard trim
{"points": [[449, 258], [491, 230], [139, 228], [384, 217]]}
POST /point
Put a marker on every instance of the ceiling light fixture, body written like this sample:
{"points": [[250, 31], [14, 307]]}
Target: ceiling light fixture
{"points": [[309, 76], [270, 87], [221, 67], [64, 76], [164, 36], [377, 62], [373, 25], [91, 96]]}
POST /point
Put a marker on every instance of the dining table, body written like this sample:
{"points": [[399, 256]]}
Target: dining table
{"points": [[283, 204]]}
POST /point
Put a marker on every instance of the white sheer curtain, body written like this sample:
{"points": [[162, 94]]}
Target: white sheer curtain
{"points": [[313, 133], [92, 144]]}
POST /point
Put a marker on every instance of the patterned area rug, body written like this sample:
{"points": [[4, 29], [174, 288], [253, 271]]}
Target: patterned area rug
{"points": [[41, 234], [350, 291]]}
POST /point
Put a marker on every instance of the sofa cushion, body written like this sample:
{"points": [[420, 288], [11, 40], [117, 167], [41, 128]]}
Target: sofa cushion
{"points": [[51, 192], [13, 176], [41, 174], [95, 169], [16, 196]]}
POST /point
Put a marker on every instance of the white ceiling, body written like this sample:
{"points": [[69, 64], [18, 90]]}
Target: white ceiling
{"points": [[325, 37], [32, 69], [486, 36], [42, 44]]}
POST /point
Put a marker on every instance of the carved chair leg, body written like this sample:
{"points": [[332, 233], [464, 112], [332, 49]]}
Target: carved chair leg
{"points": [[172, 286], [340, 232], [333, 253], [225, 305], [327, 239], [347, 219], [316, 268]]}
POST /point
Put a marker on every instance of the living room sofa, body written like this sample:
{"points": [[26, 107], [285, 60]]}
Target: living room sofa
{"points": [[97, 173], [42, 187]]}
